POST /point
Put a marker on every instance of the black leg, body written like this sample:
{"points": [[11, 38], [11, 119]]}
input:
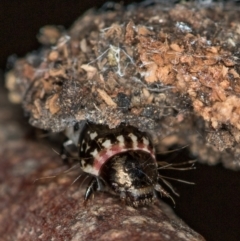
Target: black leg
{"points": [[91, 188]]}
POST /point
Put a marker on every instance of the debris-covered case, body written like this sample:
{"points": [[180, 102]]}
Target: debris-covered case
{"points": [[170, 71]]}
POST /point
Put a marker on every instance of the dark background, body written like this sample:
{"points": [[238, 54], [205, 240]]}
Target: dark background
{"points": [[212, 206]]}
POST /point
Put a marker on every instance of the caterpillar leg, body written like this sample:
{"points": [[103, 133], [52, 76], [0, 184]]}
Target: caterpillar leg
{"points": [[94, 185], [163, 192]]}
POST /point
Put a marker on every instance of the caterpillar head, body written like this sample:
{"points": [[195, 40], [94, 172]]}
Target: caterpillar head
{"points": [[132, 176]]}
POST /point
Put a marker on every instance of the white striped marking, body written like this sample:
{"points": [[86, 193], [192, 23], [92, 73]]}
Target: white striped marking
{"points": [[93, 135], [107, 144], [121, 141], [94, 153]]}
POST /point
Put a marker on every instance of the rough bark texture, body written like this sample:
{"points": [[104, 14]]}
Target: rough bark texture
{"points": [[52, 209], [170, 70]]}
